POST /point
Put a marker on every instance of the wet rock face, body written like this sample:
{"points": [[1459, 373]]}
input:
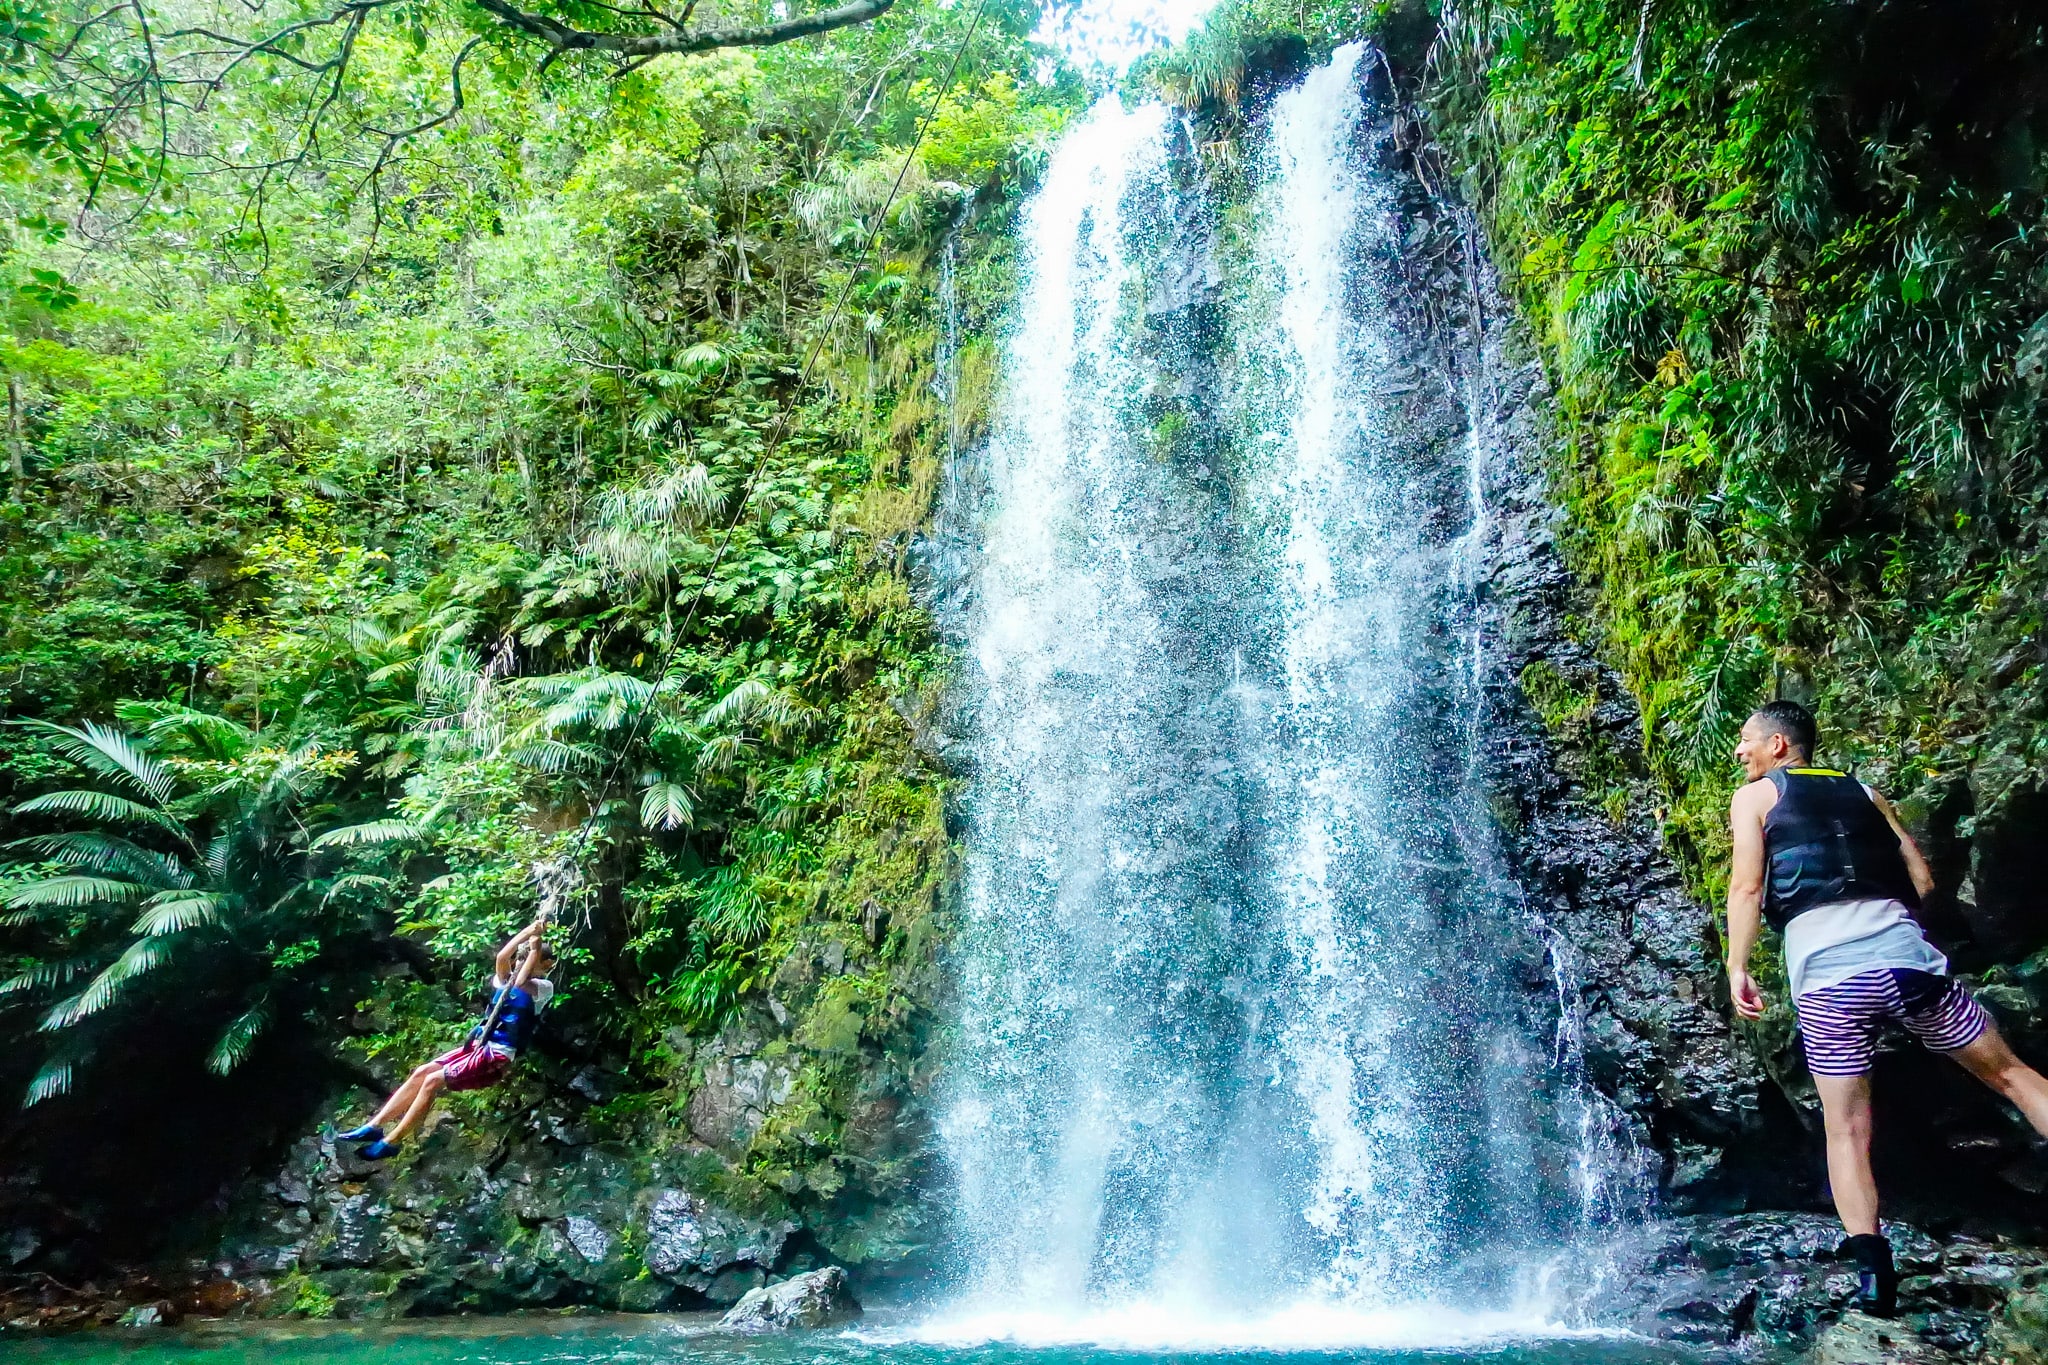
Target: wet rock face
{"points": [[1776, 1280], [818, 1299], [691, 1243], [1572, 800], [446, 1230], [1859, 1339]]}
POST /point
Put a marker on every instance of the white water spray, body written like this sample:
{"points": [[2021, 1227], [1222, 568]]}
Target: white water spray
{"points": [[1251, 1015]]}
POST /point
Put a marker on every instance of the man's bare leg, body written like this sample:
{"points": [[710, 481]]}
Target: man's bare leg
{"points": [[429, 1088], [1845, 1104], [1990, 1059]]}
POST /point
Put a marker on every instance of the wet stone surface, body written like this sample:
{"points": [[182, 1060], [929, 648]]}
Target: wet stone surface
{"points": [[1775, 1281]]}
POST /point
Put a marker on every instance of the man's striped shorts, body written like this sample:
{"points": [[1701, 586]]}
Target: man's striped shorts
{"points": [[1839, 1023]]}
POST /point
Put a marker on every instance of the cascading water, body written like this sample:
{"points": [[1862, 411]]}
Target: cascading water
{"points": [[1099, 888], [1251, 1014]]}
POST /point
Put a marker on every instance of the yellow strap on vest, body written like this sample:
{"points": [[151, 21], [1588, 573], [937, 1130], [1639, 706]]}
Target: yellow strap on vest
{"points": [[1815, 772]]}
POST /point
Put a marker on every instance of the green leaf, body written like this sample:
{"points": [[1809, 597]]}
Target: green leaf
{"points": [[666, 805], [555, 756], [73, 891], [144, 955], [102, 806], [111, 753], [170, 912], [355, 881], [238, 1039], [53, 1080], [50, 289], [47, 974], [108, 853], [371, 833]]}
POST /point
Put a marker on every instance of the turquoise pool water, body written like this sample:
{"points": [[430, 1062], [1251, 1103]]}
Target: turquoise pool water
{"points": [[629, 1340]]}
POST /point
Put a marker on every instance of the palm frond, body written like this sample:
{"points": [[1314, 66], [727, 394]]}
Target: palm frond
{"points": [[220, 851], [112, 754], [72, 891], [144, 955], [370, 833], [604, 702], [238, 1038], [45, 974], [52, 1080], [737, 706], [721, 753], [666, 805], [554, 756], [201, 733], [773, 709], [171, 912], [104, 807], [98, 852], [639, 525], [355, 881]]}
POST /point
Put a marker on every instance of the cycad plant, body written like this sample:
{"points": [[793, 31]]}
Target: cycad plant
{"points": [[194, 882]]}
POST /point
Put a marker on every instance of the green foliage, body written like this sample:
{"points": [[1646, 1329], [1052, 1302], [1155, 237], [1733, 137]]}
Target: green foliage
{"points": [[443, 488], [1790, 306], [193, 887]]}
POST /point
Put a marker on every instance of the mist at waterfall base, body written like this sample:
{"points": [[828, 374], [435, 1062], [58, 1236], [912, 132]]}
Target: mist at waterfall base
{"points": [[1256, 1043]]}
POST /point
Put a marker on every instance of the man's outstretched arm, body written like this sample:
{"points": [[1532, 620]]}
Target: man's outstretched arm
{"points": [[1916, 863], [1745, 899]]}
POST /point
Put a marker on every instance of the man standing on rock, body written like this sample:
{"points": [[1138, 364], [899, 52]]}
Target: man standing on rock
{"points": [[1824, 858]]}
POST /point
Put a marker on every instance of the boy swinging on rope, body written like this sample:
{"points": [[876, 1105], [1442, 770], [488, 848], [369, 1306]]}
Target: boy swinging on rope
{"points": [[520, 991]]}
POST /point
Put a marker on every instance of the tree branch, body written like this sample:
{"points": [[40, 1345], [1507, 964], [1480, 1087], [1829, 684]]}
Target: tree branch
{"points": [[562, 38]]}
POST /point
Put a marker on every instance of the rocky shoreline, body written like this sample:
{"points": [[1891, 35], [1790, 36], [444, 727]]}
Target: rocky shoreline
{"points": [[1768, 1284]]}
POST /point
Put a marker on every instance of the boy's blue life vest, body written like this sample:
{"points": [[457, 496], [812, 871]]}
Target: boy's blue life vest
{"points": [[1827, 841], [517, 1016]]}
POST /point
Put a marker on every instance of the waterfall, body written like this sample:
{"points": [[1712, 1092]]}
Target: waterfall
{"points": [[1251, 1015]]}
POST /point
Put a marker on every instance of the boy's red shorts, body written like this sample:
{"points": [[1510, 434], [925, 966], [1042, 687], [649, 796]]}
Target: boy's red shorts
{"points": [[474, 1066]]}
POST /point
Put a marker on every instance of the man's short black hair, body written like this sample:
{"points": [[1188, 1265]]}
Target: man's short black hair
{"points": [[1793, 721]]}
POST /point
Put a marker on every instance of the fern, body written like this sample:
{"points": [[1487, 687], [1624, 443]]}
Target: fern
{"points": [[72, 891], [171, 912], [143, 956], [238, 1039], [371, 833], [104, 807]]}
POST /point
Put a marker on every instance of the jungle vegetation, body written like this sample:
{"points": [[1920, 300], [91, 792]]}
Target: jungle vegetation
{"points": [[424, 457]]}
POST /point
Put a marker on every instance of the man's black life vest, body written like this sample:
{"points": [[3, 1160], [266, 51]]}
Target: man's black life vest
{"points": [[1827, 841]]}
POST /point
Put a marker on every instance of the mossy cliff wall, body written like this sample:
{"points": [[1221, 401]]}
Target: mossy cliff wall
{"points": [[1784, 268]]}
